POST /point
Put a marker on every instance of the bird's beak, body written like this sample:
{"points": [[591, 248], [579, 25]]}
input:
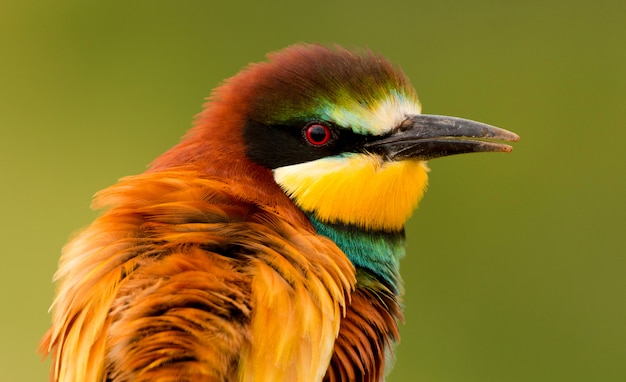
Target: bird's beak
{"points": [[423, 136]]}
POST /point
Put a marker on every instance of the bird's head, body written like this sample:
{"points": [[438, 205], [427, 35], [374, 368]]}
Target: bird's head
{"points": [[340, 131]]}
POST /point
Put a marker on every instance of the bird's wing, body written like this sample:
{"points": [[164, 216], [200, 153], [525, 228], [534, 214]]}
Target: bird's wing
{"points": [[181, 278]]}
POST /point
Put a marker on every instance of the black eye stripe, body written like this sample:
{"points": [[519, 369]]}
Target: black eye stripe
{"points": [[281, 145]]}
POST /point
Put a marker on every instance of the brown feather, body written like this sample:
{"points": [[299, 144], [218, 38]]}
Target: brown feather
{"points": [[368, 332]]}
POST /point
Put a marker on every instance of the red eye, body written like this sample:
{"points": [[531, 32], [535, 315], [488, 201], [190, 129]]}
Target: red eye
{"points": [[317, 134]]}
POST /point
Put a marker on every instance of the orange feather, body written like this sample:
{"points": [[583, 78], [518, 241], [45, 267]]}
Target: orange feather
{"points": [[180, 277]]}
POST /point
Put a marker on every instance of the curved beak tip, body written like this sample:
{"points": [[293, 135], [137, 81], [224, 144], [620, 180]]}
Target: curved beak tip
{"points": [[510, 136]]}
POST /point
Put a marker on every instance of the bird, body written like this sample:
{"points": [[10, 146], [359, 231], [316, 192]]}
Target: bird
{"points": [[266, 244]]}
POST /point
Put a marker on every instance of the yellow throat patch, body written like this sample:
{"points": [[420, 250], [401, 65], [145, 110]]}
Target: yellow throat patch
{"points": [[359, 189]]}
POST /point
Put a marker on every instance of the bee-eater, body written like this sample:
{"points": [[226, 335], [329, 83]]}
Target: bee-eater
{"points": [[265, 246]]}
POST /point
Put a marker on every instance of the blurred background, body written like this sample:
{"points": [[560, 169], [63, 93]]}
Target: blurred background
{"points": [[516, 269]]}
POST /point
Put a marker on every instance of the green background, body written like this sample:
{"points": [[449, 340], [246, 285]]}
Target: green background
{"points": [[516, 268]]}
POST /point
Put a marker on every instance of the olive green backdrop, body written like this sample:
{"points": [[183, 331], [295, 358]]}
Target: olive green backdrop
{"points": [[516, 269]]}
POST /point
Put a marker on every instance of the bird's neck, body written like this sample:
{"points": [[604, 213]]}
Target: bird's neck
{"points": [[373, 253]]}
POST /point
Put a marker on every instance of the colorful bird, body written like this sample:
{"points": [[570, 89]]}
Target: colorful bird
{"points": [[265, 246]]}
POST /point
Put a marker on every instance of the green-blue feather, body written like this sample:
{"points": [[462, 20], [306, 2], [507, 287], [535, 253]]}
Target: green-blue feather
{"points": [[377, 252]]}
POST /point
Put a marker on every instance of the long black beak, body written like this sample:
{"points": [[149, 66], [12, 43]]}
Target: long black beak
{"points": [[423, 136]]}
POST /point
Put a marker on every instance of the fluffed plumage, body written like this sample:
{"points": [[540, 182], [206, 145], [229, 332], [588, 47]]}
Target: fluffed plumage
{"points": [[225, 262]]}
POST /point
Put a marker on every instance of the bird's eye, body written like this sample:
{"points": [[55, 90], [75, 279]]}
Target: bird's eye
{"points": [[317, 134]]}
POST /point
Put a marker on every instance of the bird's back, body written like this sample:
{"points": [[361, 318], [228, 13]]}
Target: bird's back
{"points": [[182, 278]]}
